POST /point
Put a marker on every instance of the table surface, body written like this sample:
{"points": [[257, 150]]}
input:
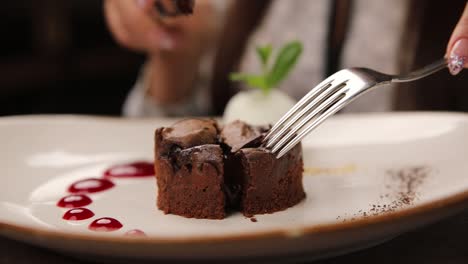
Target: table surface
{"points": [[443, 242]]}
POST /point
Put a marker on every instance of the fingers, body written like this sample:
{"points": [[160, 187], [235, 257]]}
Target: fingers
{"points": [[136, 24], [133, 24], [457, 48]]}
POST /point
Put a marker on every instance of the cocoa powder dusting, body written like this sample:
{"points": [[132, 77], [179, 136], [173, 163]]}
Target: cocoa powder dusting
{"points": [[400, 192]]}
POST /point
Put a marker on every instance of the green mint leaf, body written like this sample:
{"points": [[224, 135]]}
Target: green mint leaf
{"points": [[236, 77], [255, 81], [264, 53], [285, 61], [271, 78]]}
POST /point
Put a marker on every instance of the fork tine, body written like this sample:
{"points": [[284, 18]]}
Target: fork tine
{"points": [[330, 111], [317, 89], [322, 96], [316, 112]]}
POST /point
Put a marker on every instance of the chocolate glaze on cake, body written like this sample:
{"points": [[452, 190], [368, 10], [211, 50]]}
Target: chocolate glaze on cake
{"points": [[191, 132], [238, 135], [203, 172]]}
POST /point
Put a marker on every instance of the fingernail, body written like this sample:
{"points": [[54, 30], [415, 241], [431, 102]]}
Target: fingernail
{"points": [[458, 56], [166, 42]]}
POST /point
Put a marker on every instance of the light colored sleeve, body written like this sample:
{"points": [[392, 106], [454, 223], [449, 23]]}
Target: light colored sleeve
{"points": [[139, 104]]}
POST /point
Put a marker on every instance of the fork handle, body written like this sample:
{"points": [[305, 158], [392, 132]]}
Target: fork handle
{"points": [[421, 73]]}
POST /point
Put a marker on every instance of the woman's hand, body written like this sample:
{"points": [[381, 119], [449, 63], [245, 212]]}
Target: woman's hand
{"points": [[136, 24], [457, 48], [174, 45]]}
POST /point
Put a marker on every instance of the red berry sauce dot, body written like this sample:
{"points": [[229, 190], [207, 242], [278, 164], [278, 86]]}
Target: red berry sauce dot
{"points": [[105, 224], [131, 170], [74, 201], [91, 185], [135, 233], [77, 214]]}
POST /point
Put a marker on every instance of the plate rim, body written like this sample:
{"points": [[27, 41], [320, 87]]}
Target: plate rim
{"points": [[453, 201], [456, 200]]}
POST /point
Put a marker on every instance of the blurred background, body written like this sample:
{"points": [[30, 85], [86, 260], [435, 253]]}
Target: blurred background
{"points": [[55, 53], [57, 56]]}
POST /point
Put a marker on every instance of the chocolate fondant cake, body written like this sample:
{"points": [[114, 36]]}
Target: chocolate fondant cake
{"points": [[203, 171]]}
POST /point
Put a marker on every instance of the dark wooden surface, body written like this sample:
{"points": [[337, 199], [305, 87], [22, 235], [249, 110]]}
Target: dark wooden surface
{"points": [[443, 242]]}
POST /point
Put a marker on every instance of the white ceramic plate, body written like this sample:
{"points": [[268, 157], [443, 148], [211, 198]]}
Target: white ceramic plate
{"points": [[368, 178]]}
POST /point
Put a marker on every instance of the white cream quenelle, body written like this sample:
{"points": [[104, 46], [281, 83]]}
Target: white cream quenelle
{"points": [[258, 108], [262, 103]]}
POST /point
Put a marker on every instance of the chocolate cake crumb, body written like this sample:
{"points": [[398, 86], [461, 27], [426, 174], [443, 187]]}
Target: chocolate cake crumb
{"points": [[253, 219]]}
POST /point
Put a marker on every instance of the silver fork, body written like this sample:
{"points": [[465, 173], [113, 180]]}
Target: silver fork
{"points": [[329, 97]]}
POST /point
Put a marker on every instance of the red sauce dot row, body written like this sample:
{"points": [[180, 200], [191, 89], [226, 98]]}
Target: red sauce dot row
{"points": [[78, 199]]}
